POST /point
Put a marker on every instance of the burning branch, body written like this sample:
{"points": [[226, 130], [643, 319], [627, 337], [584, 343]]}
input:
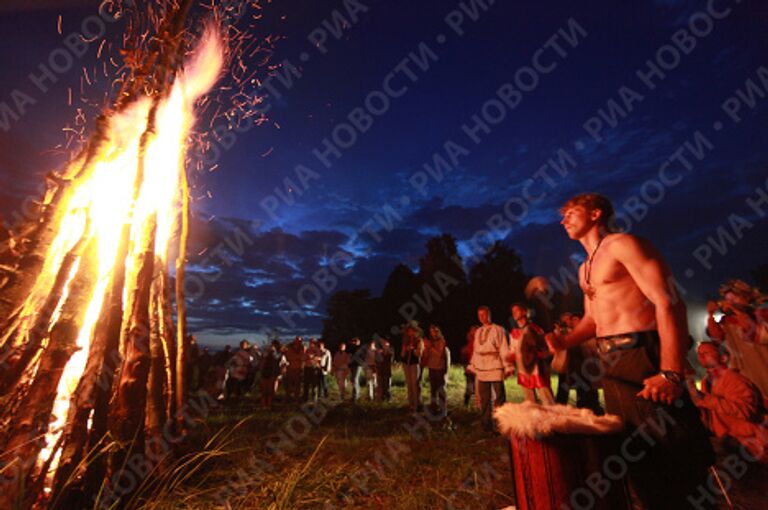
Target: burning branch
{"points": [[83, 368]]}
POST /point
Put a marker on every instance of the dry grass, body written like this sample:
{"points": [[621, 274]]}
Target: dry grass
{"points": [[367, 455]]}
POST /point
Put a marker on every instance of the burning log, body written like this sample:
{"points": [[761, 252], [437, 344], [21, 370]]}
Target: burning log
{"points": [[91, 397], [157, 406], [30, 340], [182, 377], [26, 438], [126, 422], [168, 342], [103, 372]]}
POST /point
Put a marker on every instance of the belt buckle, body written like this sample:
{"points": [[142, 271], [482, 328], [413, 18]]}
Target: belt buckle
{"points": [[605, 345], [609, 345]]}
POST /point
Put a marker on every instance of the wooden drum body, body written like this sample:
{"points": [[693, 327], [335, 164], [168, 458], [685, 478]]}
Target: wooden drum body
{"points": [[565, 471]]}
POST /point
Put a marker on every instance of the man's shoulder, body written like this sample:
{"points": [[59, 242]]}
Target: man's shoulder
{"points": [[625, 241]]}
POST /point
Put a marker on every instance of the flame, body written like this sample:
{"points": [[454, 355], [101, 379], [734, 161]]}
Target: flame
{"points": [[105, 199]]}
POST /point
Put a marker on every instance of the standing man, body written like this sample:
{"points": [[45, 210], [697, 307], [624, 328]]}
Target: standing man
{"points": [[370, 369], [632, 307], [491, 363], [356, 359], [311, 379], [325, 369]]}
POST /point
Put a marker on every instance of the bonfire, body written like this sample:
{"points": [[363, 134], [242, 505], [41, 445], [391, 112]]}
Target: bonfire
{"points": [[93, 338]]}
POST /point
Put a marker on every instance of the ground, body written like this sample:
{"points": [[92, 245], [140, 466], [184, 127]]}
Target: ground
{"points": [[367, 455]]}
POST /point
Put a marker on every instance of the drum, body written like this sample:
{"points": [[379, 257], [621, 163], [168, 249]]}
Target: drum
{"points": [[564, 471]]}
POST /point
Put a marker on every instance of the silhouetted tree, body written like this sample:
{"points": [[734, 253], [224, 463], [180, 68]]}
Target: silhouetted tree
{"points": [[443, 297], [398, 292], [351, 313], [498, 280]]}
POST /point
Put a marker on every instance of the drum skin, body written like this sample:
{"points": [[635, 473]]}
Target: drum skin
{"points": [[552, 473]]}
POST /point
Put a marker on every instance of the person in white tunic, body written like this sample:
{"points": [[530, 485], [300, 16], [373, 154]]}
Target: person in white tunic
{"points": [[491, 363]]}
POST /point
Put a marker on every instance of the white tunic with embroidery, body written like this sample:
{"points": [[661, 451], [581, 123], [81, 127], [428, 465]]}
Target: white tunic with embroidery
{"points": [[491, 355]]}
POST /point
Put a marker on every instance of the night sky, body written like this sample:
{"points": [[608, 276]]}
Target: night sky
{"points": [[525, 105]]}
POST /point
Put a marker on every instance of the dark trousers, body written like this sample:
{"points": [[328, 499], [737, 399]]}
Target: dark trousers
{"points": [[586, 396], [486, 407], [235, 387], [310, 382], [437, 390], [666, 448], [356, 372], [322, 384], [469, 388]]}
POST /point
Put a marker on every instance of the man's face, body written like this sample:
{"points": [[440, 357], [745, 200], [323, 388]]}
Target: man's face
{"points": [[577, 221], [518, 313], [433, 332], [483, 316]]}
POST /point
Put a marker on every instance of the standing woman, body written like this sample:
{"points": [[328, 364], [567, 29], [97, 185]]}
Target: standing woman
{"points": [[413, 346], [437, 358]]}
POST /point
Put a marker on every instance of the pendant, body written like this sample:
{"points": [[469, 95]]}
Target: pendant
{"points": [[590, 291]]}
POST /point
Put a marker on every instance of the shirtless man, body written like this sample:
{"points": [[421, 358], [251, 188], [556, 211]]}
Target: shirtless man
{"points": [[632, 307]]}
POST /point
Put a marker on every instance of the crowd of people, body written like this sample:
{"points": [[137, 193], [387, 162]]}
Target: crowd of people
{"points": [[731, 396], [365, 369], [632, 342]]}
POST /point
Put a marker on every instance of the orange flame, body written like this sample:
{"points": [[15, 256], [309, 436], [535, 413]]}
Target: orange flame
{"points": [[104, 200]]}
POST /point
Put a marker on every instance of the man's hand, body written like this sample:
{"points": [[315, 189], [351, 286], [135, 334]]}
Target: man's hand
{"points": [[556, 342], [659, 389], [712, 307]]}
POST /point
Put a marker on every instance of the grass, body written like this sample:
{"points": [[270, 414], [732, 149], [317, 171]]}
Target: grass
{"points": [[366, 455], [369, 455]]}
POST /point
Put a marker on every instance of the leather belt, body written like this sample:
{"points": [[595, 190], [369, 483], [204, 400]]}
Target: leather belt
{"points": [[611, 343]]}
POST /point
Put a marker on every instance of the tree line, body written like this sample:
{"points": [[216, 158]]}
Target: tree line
{"points": [[441, 291]]}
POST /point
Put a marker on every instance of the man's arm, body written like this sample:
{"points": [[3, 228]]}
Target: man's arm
{"points": [[584, 330], [652, 276]]}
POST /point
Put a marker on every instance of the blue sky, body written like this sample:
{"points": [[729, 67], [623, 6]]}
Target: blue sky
{"points": [[372, 184]]}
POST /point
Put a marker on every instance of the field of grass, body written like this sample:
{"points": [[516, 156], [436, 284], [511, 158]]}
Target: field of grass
{"points": [[367, 455], [341, 455]]}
